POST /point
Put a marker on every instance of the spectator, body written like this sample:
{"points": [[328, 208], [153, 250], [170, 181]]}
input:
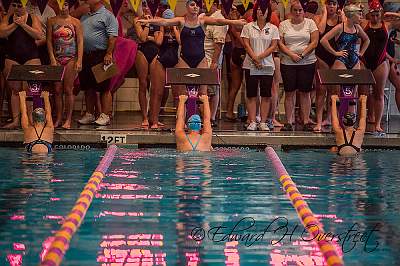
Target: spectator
{"points": [[65, 46], [21, 30], [100, 29], [299, 38]]}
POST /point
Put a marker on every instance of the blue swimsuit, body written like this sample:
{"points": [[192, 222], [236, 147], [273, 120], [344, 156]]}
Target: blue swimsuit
{"points": [[192, 42], [194, 146], [348, 41], [30, 145]]}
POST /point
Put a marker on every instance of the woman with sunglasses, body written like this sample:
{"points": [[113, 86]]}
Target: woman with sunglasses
{"points": [[21, 30], [65, 46], [192, 36], [375, 58]]}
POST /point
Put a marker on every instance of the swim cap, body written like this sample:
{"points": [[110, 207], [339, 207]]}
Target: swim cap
{"points": [[374, 6], [349, 119], [38, 115], [194, 123], [350, 10], [168, 13]]}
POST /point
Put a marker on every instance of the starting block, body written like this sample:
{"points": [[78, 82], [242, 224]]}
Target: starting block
{"points": [[347, 79], [35, 75], [192, 78]]}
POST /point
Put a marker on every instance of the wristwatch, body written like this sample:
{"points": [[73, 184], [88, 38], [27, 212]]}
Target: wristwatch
{"points": [[301, 56]]}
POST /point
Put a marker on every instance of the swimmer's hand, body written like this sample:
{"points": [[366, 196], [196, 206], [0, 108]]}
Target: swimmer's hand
{"points": [[22, 94], [342, 53], [334, 98], [203, 98], [183, 98], [45, 94]]}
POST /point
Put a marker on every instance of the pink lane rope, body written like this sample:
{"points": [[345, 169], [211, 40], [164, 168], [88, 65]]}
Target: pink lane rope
{"points": [[62, 238], [310, 222]]}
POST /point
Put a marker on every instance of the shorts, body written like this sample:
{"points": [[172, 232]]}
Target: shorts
{"points": [[252, 83], [212, 90], [298, 77], [86, 77]]}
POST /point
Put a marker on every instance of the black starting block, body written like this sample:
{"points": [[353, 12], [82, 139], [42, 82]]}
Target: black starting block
{"points": [[35, 75], [192, 78], [347, 79]]}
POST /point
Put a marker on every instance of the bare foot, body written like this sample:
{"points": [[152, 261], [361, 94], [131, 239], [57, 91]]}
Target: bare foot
{"points": [[12, 125], [277, 123], [317, 128], [326, 122], [67, 125], [379, 129], [145, 124], [57, 124]]}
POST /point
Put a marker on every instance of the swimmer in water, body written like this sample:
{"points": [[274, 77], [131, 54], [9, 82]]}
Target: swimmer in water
{"points": [[348, 138], [198, 138], [38, 136]]}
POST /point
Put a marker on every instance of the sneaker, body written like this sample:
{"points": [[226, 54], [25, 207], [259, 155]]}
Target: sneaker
{"points": [[252, 126], [87, 119], [258, 119], [270, 124], [103, 120], [263, 127]]}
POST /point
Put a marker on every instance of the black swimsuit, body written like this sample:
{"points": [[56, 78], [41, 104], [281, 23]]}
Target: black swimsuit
{"points": [[30, 145], [21, 47], [168, 54], [321, 52], [192, 41], [348, 143], [150, 48]]}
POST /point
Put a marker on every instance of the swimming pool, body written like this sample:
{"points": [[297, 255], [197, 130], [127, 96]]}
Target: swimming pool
{"points": [[160, 207]]}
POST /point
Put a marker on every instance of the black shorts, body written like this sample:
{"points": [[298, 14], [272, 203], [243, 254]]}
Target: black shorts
{"points": [[252, 82], [298, 77], [86, 78]]}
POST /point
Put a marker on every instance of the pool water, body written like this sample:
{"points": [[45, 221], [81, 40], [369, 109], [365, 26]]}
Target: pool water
{"points": [[159, 207]]}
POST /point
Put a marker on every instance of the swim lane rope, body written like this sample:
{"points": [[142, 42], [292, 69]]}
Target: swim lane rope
{"points": [[74, 219], [309, 221]]}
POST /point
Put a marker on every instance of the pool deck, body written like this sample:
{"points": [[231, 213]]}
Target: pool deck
{"points": [[126, 126]]}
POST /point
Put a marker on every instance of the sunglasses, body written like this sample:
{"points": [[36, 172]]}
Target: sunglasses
{"points": [[16, 5]]}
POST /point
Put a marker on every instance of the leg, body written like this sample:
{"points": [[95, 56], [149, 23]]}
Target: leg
{"points": [[290, 99], [214, 102], [14, 87], [142, 69], [275, 92], [305, 106], [237, 77], [58, 89], [251, 96], [381, 74], [394, 77], [69, 78], [203, 88], [157, 75], [320, 97]]}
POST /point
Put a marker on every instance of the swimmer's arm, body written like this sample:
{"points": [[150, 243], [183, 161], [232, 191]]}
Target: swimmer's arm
{"points": [[364, 38], [47, 108], [321, 20], [158, 36], [335, 120], [363, 113], [49, 39], [327, 37], [177, 35], [180, 116], [207, 129], [24, 115], [222, 21], [163, 22]]}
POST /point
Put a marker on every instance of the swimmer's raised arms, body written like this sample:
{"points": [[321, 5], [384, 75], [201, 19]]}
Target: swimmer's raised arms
{"points": [[199, 133]]}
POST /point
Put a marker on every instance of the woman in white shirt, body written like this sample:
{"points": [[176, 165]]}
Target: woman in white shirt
{"points": [[298, 40], [260, 40]]}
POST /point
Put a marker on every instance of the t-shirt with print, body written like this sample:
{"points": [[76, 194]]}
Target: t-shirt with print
{"points": [[260, 40], [297, 37]]}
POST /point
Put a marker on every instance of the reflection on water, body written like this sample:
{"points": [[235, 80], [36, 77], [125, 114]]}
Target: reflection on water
{"points": [[152, 199]]}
